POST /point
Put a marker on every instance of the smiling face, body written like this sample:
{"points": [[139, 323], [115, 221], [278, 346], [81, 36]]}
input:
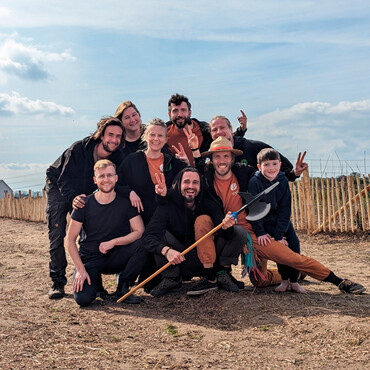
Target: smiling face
{"points": [[190, 187], [156, 137], [270, 168], [105, 179], [131, 119], [111, 139], [222, 163], [220, 127], [180, 115]]}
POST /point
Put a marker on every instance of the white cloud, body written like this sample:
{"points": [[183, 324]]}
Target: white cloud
{"points": [[321, 128], [16, 104], [26, 60]]}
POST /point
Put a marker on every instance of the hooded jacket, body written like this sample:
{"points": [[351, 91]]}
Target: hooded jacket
{"points": [[72, 173], [278, 218], [133, 174], [173, 216]]}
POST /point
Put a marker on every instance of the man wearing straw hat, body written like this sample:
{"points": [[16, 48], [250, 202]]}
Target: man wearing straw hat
{"points": [[225, 179]]}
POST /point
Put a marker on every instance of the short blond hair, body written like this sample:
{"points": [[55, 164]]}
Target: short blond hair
{"points": [[103, 163]]}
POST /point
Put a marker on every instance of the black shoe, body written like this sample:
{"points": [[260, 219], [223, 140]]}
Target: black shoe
{"points": [[348, 286], [166, 285], [301, 275], [225, 282], [56, 291], [122, 289], [101, 293], [238, 283], [201, 287]]}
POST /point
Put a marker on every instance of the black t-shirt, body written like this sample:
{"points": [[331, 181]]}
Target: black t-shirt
{"points": [[102, 222]]}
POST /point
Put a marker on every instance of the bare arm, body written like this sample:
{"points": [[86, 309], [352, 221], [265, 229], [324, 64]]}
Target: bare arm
{"points": [[137, 230], [81, 275]]}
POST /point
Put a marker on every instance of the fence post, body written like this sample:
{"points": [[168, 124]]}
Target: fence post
{"points": [[309, 206]]}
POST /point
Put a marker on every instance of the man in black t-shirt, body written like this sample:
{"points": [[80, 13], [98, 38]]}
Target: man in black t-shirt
{"points": [[110, 230]]}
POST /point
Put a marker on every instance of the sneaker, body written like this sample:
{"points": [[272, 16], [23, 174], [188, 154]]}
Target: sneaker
{"points": [[56, 291], [301, 275], [164, 286], [101, 293], [225, 282], [348, 286], [122, 289], [201, 287], [238, 283]]}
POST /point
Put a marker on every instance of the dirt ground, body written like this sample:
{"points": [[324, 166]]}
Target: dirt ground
{"points": [[255, 328]]}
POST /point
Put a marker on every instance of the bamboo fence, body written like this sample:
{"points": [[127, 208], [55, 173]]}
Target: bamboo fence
{"points": [[318, 205]]}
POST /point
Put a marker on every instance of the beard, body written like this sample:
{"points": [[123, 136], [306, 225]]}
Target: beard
{"points": [[187, 121], [106, 148], [224, 173]]}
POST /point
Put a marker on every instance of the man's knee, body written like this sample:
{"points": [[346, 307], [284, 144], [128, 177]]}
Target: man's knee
{"points": [[84, 299], [203, 224]]}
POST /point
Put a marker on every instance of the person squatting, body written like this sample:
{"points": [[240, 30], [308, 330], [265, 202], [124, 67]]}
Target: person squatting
{"points": [[139, 195]]}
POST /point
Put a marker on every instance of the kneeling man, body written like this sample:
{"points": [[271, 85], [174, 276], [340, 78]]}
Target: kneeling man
{"points": [[110, 230]]}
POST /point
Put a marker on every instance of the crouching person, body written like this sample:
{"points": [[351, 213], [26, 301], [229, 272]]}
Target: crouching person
{"points": [[110, 230], [171, 230]]}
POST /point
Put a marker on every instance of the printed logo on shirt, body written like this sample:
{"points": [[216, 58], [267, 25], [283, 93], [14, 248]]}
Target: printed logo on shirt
{"points": [[234, 188], [161, 167]]}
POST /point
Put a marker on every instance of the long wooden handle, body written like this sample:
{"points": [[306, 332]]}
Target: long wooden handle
{"points": [[168, 264]]}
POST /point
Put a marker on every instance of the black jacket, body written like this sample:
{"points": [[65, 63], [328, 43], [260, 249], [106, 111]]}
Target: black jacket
{"points": [[250, 150], [73, 171], [280, 199], [173, 216], [133, 174]]}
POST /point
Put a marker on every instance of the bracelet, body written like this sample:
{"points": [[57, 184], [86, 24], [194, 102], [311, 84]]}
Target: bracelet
{"points": [[165, 255], [194, 150]]}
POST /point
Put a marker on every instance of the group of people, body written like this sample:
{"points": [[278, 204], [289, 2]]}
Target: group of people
{"points": [[139, 195]]}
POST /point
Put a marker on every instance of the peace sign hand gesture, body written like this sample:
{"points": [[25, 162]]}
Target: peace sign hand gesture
{"points": [[160, 188], [243, 121], [192, 138], [300, 166], [180, 154]]}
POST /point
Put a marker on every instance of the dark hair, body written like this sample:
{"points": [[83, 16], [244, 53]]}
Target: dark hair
{"points": [[268, 154], [177, 99], [103, 124]]}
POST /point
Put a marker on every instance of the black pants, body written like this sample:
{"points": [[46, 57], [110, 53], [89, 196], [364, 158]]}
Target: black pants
{"points": [[125, 260], [57, 209], [186, 270], [285, 271]]}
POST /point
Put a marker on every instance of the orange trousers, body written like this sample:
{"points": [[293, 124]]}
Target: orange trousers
{"points": [[274, 251]]}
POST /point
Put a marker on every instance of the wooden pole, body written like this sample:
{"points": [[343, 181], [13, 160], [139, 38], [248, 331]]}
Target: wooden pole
{"points": [[294, 185], [342, 186], [337, 195], [332, 186], [362, 208], [309, 206], [351, 208], [318, 205], [329, 203], [344, 207], [133, 290], [367, 202], [323, 204]]}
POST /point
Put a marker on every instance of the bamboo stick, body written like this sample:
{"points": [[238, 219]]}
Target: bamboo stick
{"points": [[362, 208], [318, 205], [309, 205], [332, 186], [342, 185], [329, 203], [323, 204], [367, 203], [301, 205], [345, 206], [337, 195]]}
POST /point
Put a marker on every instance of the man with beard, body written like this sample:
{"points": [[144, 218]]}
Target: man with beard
{"points": [[70, 175], [225, 179], [179, 111], [171, 231], [110, 230]]}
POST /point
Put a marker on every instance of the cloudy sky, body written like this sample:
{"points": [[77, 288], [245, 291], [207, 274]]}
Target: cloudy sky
{"points": [[299, 69]]}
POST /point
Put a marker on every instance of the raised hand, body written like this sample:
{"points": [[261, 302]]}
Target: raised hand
{"points": [[243, 121], [180, 154], [192, 138], [300, 166], [160, 188]]}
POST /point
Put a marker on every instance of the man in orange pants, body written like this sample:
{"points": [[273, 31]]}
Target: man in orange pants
{"points": [[225, 179]]}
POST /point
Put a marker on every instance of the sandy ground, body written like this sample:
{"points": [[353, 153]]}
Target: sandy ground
{"points": [[255, 328]]}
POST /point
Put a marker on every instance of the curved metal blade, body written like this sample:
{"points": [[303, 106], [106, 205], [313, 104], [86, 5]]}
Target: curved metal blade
{"points": [[257, 209]]}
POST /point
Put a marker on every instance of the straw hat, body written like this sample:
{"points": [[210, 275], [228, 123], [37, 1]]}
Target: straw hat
{"points": [[221, 144]]}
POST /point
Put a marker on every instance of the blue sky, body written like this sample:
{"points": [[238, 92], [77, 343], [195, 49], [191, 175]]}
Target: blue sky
{"points": [[299, 69]]}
